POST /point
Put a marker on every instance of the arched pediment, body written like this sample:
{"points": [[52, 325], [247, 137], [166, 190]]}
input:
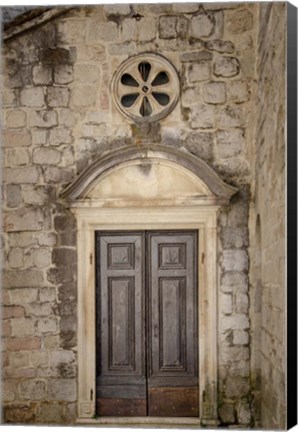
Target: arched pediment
{"points": [[155, 175]]}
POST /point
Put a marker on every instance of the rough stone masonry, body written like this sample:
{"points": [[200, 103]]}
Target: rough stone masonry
{"points": [[58, 116]]}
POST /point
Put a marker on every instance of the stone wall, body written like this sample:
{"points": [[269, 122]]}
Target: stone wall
{"points": [[58, 116], [267, 222]]}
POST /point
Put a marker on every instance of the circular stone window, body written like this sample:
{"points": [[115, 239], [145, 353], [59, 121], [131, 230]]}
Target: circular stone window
{"points": [[145, 88]]}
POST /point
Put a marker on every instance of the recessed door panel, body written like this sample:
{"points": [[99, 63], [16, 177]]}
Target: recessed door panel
{"points": [[147, 324], [121, 376], [173, 359]]}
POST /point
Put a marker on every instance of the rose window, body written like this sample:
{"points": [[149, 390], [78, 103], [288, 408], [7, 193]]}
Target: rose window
{"points": [[145, 88]]}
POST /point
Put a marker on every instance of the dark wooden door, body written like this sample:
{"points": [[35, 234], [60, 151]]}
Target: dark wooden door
{"points": [[147, 324]]}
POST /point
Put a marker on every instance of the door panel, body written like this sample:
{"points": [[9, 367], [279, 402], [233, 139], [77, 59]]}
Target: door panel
{"points": [[172, 375], [121, 380], [147, 326]]}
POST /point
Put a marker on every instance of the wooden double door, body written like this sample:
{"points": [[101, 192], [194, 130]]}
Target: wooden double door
{"points": [[147, 324]]}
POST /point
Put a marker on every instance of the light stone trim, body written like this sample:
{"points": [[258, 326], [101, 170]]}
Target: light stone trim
{"points": [[220, 192], [204, 192], [90, 220]]}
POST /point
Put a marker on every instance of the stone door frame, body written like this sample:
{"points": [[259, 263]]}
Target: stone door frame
{"points": [[191, 213]]}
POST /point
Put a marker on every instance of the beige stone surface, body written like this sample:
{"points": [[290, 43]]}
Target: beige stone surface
{"points": [[59, 116]]}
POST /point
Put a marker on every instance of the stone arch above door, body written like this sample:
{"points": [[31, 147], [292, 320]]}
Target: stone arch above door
{"points": [[150, 188], [153, 175]]}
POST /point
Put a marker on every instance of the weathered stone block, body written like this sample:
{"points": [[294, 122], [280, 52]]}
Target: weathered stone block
{"points": [[9, 98], [47, 325], [16, 138], [226, 304], [202, 26], [190, 96], [51, 341], [16, 258], [233, 281], [23, 296], [43, 119], [62, 389], [13, 196], [226, 67], [42, 74], [227, 413], [6, 332], [32, 97], [42, 257], [39, 309], [8, 391], [68, 323], [230, 116], [116, 9], [23, 327], [142, 31], [240, 337], [24, 219], [58, 97], [239, 368], [234, 237], [19, 359], [22, 278], [46, 156], [230, 143], [239, 21], [61, 356], [220, 46], [243, 412], [235, 260], [202, 116], [199, 72], [39, 136], [196, 56], [103, 31], [15, 119], [23, 343], [38, 195], [214, 92], [47, 294], [33, 390], [200, 144], [21, 175], [60, 136], [231, 354], [12, 312], [242, 303], [236, 387], [238, 91], [19, 413], [17, 157], [86, 73], [171, 27], [63, 74], [64, 256], [58, 175], [50, 413], [234, 322], [64, 222], [61, 275], [40, 358], [83, 96], [185, 7], [72, 31], [47, 239]]}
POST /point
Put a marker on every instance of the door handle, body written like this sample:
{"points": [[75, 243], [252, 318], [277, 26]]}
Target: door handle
{"points": [[155, 330]]}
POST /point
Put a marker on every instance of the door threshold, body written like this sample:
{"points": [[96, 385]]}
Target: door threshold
{"points": [[142, 421]]}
